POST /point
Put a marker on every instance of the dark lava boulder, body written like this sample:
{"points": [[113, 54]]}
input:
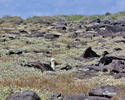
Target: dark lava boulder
{"points": [[67, 67], [86, 74], [51, 36], [113, 28], [26, 95], [74, 97], [18, 52], [38, 34], [23, 32], [120, 41], [105, 60], [61, 27], [83, 97], [95, 67], [89, 53], [105, 91], [56, 96], [96, 21], [117, 66], [117, 49], [119, 75]]}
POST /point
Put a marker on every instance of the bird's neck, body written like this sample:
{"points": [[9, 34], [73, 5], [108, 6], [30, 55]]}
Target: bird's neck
{"points": [[53, 65]]}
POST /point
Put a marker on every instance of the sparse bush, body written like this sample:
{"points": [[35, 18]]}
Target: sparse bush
{"points": [[12, 19], [41, 19], [107, 13]]}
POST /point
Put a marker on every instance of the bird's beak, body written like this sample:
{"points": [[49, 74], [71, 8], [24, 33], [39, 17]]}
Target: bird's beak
{"points": [[57, 63]]}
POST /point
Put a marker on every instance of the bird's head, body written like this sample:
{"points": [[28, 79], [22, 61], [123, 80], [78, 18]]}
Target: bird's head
{"points": [[53, 60], [53, 63]]}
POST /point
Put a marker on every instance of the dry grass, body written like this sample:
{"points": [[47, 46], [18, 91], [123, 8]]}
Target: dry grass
{"points": [[12, 74], [62, 83], [5, 59], [56, 52]]}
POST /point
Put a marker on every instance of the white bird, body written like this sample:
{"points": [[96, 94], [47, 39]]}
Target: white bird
{"points": [[44, 67]]}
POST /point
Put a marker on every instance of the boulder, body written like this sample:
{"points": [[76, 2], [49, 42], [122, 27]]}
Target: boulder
{"points": [[117, 66], [117, 49], [74, 97], [83, 97], [89, 53], [120, 41], [95, 67], [96, 21], [26, 95], [11, 52], [67, 67], [113, 28], [61, 28], [105, 91], [105, 60], [86, 74], [37, 34], [51, 36], [56, 96], [119, 75], [23, 32]]}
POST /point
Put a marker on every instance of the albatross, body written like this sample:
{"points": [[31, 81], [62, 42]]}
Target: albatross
{"points": [[43, 66]]}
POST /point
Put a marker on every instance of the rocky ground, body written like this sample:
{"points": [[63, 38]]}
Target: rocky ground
{"points": [[92, 57]]}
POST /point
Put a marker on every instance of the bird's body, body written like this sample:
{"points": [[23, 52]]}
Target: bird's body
{"points": [[42, 66]]}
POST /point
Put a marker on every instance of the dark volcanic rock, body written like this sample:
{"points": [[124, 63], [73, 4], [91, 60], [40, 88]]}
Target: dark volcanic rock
{"points": [[67, 67], [23, 32], [96, 21], [82, 97], [117, 66], [58, 96], [114, 29], [89, 53], [61, 28], [26, 95], [94, 67], [105, 91], [55, 96], [45, 51], [15, 52], [108, 59], [86, 74], [74, 97], [3, 40], [105, 60], [37, 34], [114, 64], [120, 41], [119, 75], [51, 36], [117, 49]]}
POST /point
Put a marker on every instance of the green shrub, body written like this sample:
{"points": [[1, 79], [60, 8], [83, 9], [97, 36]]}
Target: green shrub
{"points": [[107, 13], [75, 18]]}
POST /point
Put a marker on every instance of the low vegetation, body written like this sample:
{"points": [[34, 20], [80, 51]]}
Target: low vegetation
{"points": [[27, 36], [58, 18]]}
